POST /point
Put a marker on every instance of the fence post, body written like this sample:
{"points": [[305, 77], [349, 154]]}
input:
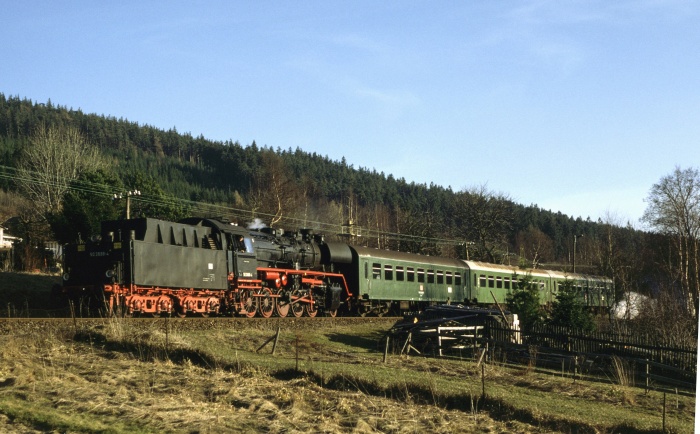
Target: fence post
{"points": [[386, 348], [277, 337], [562, 367], [663, 426], [677, 398], [646, 379], [72, 314], [483, 382], [407, 344]]}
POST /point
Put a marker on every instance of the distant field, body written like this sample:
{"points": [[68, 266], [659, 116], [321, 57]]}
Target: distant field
{"points": [[27, 294], [163, 375]]}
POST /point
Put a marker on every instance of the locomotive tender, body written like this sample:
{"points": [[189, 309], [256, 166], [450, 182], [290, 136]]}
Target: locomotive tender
{"points": [[204, 266]]}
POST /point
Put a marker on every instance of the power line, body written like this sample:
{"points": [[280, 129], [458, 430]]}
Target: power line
{"points": [[104, 190]]}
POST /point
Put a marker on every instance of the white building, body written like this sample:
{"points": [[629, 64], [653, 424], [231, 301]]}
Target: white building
{"points": [[7, 240]]}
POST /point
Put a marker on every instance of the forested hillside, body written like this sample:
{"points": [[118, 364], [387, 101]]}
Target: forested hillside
{"points": [[291, 187]]}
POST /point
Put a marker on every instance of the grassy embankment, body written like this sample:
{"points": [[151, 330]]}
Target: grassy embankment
{"points": [[27, 295], [128, 376]]}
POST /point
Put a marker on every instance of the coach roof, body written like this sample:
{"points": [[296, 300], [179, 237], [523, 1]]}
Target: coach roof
{"points": [[380, 254]]}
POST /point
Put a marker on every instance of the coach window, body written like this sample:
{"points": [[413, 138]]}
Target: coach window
{"points": [[410, 274], [506, 282], [448, 277], [421, 275], [499, 282], [366, 270], [388, 272], [458, 279], [440, 277], [482, 281], [399, 274], [431, 276], [376, 271], [491, 282]]}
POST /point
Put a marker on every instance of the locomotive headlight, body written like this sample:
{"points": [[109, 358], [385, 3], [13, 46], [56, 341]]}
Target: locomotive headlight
{"points": [[66, 276], [110, 274]]}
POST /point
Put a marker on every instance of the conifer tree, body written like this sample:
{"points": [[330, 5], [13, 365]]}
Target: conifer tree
{"points": [[525, 302], [568, 310]]}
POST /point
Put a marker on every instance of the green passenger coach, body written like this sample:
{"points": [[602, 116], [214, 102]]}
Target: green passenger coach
{"points": [[395, 281], [593, 291], [384, 281], [489, 282]]}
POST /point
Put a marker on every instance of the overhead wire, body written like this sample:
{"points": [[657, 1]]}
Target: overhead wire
{"points": [[91, 188]]}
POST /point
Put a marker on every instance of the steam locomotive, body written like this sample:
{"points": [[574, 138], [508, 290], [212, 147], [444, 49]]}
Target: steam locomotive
{"points": [[205, 266]]}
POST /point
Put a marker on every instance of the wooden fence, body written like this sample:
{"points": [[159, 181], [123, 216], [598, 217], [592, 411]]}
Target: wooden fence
{"points": [[649, 362], [637, 347], [632, 360]]}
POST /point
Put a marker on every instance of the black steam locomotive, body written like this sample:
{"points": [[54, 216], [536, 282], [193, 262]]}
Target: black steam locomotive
{"points": [[203, 266]]}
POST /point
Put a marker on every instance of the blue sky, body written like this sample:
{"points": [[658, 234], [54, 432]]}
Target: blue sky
{"points": [[575, 106]]}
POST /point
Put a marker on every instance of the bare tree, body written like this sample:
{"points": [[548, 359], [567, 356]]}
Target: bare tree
{"points": [[535, 245], [273, 194], [485, 219], [674, 209], [54, 157]]}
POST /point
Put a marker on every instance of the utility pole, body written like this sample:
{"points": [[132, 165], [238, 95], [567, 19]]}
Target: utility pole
{"points": [[575, 237], [128, 195]]}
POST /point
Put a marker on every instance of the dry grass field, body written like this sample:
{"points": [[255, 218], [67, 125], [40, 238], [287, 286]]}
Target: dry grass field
{"points": [[205, 376]]}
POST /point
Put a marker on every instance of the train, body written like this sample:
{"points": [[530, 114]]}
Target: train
{"points": [[205, 266]]}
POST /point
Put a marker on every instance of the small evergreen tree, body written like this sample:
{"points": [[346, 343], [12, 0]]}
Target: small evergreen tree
{"points": [[568, 309], [525, 302], [87, 203]]}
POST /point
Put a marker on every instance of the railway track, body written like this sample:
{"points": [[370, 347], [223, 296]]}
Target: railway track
{"points": [[20, 325]]}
